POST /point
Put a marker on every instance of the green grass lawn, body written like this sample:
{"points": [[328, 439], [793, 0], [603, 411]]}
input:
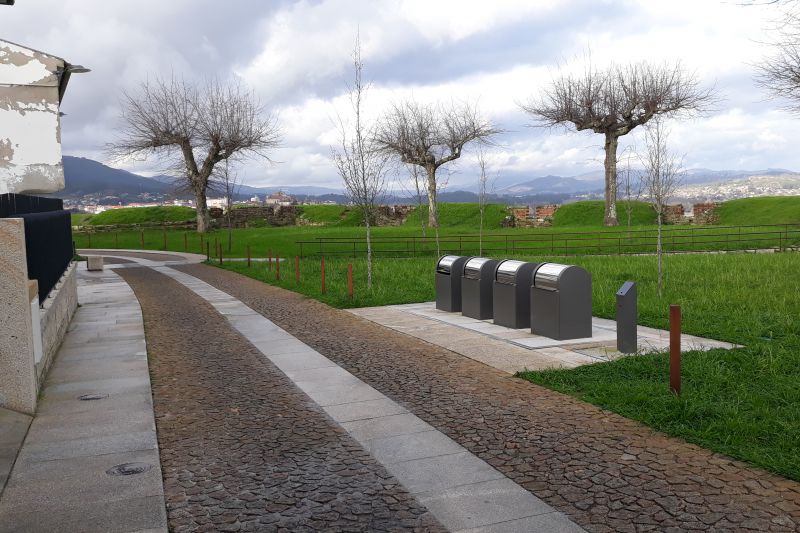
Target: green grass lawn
{"points": [[144, 215], [743, 402], [767, 210], [78, 219], [591, 213]]}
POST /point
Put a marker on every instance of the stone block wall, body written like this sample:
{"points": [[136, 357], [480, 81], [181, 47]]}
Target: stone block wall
{"points": [[704, 213], [55, 315]]}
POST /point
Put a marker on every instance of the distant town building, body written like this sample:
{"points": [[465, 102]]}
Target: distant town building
{"points": [[32, 85], [280, 198]]}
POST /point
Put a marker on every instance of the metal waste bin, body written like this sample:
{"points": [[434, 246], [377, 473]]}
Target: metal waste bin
{"points": [[561, 302], [476, 287], [511, 299], [448, 282]]}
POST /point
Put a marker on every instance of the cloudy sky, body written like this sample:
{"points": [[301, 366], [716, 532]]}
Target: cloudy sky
{"points": [[296, 57]]}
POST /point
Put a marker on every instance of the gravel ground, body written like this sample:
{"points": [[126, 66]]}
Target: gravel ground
{"points": [[608, 473], [242, 449]]}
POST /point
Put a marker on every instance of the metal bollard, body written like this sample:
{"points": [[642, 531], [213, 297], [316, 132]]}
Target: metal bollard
{"points": [[627, 318]]}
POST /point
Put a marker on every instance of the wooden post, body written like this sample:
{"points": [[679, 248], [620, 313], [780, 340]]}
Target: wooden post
{"points": [[675, 348], [202, 246], [220, 253], [269, 261], [350, 280], [216, 245], [165, 237], [278, 267], [185, 242], [208, 251], [89, 234], [141, 239], [297, 270], [116, 239], [322, 274], [248, 256]]}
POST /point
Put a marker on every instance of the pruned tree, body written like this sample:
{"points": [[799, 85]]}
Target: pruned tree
{"points": [[779, 73], [195, 127], [418, 184], [430, 136], [361, 165], [662, 174], [616, 100]]}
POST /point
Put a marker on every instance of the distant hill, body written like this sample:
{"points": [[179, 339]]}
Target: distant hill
{"points": [[88, 177]]}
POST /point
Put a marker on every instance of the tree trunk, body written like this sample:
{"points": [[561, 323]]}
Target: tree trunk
{"points": [[433, 212], [659, 254], [202, 210], [611, 179], [369, 252]]}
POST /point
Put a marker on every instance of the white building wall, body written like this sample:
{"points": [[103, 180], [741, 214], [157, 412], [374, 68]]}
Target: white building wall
{"points": [[30, 129]]}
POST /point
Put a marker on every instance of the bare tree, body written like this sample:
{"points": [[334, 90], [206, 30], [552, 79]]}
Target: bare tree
{"points": [[631, 184], [430, 136], [231, 186], [616, 100], [417, 181], [195, 127], [360, 164], [483, 194], [779, 73], [662, 174]]}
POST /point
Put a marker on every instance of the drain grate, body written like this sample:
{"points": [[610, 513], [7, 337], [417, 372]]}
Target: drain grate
{"points": [[129, 469], [90, 397]]}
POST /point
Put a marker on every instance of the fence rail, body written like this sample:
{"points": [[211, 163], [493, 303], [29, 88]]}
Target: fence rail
{"points": [[601, 242]]}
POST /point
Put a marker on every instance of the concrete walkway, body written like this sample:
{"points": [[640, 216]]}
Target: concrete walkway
{"points": [[90, 459], [514, 350]]}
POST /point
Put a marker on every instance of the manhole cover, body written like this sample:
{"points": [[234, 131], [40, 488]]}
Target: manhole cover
{"points": [[128, 469], [90, 397]]}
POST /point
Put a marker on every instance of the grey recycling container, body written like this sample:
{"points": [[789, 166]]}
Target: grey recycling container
{"points": [[511, 298], [476, 287], [561, 302], [449, 269]]}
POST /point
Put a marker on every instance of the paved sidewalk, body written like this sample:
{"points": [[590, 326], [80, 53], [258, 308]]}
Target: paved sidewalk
{"points": [[606, 472], [464, 492], [514, 350], [90, 460], [242, 447]]}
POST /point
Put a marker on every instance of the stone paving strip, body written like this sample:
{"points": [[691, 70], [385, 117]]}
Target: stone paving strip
{"points": [[464, 492], [62, 479], [514, 350], [243, 448], [606, 472]]}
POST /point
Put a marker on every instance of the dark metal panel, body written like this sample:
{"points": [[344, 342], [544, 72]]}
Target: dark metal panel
{"points": [[627, 318]]}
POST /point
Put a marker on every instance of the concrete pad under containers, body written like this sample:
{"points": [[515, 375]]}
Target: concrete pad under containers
{"points": [[511, 297], [561, 302], [449, 269], [476, 287]]}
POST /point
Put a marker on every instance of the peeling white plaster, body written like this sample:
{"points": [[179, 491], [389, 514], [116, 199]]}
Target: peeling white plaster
{"points": [[22, 66]]}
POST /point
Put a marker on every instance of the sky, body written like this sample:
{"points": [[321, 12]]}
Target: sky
{"points": [[296, 57]]}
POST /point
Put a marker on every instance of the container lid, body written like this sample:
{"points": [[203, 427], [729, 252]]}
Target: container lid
{"points": [[547, 275]]}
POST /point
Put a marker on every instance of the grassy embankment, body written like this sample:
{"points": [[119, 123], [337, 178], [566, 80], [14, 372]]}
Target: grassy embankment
{"points": [[743, 402]]}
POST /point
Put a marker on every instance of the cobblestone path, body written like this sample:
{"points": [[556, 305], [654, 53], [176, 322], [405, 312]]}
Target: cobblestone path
{"points": [[242, 449], [606, 472]]}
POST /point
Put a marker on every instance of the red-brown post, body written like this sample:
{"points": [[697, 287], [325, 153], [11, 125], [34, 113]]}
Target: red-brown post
{"points": [[675, 348], [220, 253], [350, 280], [297, 270], [322, 274], [269, 261], [248, 256], [277, 267]]}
